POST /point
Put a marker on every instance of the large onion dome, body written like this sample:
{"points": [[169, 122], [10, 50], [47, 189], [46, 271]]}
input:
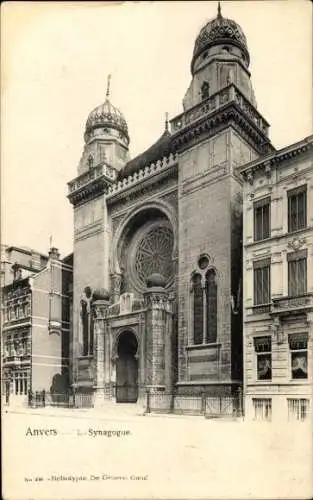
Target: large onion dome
{"points": [[218, 31], [106, 116]]}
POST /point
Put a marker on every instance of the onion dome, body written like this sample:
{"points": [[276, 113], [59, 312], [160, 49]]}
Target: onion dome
{"points": [[162, 147], [106, 116], [156, 280], [101, 294], [218, 31]]}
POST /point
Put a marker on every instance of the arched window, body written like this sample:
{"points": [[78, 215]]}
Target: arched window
{"points": [[197, 309], [204, 307], [211, 306], [205, 90]]}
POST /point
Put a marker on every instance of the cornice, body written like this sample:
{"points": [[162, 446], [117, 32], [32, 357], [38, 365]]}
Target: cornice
{"points": [[211, 124], [90, 191], [90, 184], [274, 159], [216, 101]]}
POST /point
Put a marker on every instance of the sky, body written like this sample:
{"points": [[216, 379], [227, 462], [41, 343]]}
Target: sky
{"points": [[56, 57]]}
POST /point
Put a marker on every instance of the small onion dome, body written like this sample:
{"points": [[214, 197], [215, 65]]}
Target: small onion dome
{"points": [[101, 294], [156, 280], [106, 115], [218, 31]]}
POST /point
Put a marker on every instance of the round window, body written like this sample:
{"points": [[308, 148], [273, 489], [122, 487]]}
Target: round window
{"points": [[203, 262], [152, 253]]}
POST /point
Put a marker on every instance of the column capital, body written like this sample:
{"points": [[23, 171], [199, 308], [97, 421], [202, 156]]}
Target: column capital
{"points": [[99, 308]]}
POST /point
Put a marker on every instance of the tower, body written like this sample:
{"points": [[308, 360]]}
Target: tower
{"points": [[219, 129], [105, 153]]}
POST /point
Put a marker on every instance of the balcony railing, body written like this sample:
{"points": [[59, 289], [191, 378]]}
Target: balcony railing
{"points": [[228, 94], [283, 305], [261, 309], [91, 175]]}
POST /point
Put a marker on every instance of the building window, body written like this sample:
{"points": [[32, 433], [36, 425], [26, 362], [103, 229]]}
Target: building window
{"points": [[20, 383], [297, 273], [262, 409], [211, 306], [297, 209], [298, 409], [205, 90], [154, 254], [263, 349], [197, 309], [262, 281], [298, 344], [204, 307], [261, 211]]}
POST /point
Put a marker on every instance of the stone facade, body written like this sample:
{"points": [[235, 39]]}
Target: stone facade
{"points": [[283, 182], [175, 213]]}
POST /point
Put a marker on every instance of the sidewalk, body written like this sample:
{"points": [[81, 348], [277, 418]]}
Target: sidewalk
{"points": [[108, 412]]}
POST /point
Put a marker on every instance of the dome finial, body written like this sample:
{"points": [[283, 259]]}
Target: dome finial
{"points": [[108, 86], [166, 121], [219, 11]]}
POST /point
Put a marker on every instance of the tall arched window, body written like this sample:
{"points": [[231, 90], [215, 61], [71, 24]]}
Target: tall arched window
{"points": [[204, 307], [211, 306], [205, 90], [197, 309]]}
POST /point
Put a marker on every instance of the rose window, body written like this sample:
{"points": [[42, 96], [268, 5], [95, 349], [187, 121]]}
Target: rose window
{"points": [[154, 254]]}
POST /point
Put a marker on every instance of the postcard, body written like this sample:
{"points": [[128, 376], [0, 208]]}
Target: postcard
{"points": [[156, 250]]}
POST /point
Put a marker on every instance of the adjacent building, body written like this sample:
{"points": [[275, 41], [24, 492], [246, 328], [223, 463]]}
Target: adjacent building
{"points": [[36, 322], [278, 283]]}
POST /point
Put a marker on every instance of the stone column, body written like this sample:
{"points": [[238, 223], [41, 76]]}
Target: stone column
{"points": [[107, 360], [99, 308], [142, 356], [157, 304]]}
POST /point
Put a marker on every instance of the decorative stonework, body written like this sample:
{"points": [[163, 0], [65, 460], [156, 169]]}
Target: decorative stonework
{"points": [[92, 183], [212, 124], [162, 165], [296, 243], [220, 30], [116, 281], [154, 254], [126, 303], [106, 115], [157, 300], [229, 94]]}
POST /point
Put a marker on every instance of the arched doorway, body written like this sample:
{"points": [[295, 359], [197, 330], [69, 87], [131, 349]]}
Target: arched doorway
{"points": [[127, 368]]}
